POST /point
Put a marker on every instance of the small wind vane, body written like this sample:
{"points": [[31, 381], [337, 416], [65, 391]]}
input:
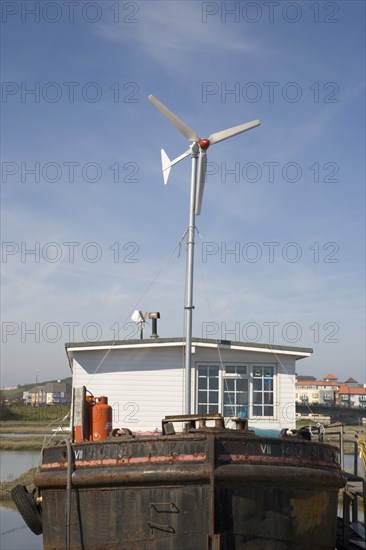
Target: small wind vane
{"points": [[202, 143], [139, 318], [199, 164]]}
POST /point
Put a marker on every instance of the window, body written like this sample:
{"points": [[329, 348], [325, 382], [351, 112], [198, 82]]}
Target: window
{"points": [[208, 389], [263, 391], [235, 390]]}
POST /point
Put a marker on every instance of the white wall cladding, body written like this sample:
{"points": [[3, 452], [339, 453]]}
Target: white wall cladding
{"points": [[145, 384], [142, 386]]}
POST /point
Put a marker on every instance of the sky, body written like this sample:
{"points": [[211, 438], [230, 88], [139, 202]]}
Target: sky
{"points": [[89, 231]]}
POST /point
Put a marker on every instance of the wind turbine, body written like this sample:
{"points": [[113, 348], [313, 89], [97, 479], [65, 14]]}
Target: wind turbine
{"points": [[198, 154]]}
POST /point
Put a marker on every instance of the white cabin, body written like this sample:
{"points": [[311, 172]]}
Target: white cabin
{"points": [[144, 380]]}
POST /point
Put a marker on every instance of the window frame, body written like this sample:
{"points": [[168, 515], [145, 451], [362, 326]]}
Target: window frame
{"points": [[274, 404], [235, 376], [199, 389], [249, 376]]}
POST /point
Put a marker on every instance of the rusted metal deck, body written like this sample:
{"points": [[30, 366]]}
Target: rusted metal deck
{"points": [[207, 489]]}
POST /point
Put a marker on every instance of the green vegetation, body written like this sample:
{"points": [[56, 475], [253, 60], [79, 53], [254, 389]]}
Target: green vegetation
{"points": [[24, 479], [29, 443], [40, 427], [36, 427], [27, 413]]}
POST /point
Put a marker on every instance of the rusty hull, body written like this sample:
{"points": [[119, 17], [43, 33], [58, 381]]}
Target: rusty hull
{"points": [[214, 489]]}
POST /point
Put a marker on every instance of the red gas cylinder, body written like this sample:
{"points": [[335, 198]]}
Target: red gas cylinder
{"points": [[101, 419]]}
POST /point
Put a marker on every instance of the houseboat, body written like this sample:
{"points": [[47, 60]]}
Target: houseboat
{"points": [[185, 444]]}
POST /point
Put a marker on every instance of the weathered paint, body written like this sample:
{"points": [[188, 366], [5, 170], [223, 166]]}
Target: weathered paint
{"points": [[207, 489]]}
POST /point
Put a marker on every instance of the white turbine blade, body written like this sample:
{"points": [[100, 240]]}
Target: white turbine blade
{"points": [[167, 163], [202, 167], [230, 132], [178, 123]]}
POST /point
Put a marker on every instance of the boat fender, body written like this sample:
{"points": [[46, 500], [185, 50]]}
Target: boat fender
{"points": [[28, 509], [286, 433], [121, 432], [302, 433]]}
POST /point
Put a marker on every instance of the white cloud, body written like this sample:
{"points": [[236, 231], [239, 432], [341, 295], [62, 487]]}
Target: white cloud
{"points": [[173, 36]]}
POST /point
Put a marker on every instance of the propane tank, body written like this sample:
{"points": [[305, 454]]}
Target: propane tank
{"points": [[101, 419]]}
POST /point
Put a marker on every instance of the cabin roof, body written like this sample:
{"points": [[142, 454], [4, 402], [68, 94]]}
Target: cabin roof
{"points": [[295, 352]]}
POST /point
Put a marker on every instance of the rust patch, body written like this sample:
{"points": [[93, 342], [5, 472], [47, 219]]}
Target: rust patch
{"points": [[200, 457], [266, 459], [315, 508]]}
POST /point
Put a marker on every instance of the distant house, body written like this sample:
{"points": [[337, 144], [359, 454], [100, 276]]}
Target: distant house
{"points": [[330, 391], [351, 396], [144, 379], [52, 393], [316, 392]]}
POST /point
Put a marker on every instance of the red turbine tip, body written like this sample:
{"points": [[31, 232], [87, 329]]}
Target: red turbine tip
{"points": [[204, 143]]}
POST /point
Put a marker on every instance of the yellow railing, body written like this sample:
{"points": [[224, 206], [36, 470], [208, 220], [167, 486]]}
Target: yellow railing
{"points": [[361, 442]]}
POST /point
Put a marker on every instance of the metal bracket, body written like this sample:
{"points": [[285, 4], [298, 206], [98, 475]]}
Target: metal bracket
{"points": [[165, 507], [161, 527]]}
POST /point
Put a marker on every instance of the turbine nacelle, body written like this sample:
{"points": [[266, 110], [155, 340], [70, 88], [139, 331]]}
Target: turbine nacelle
{"points": [[204, 143]]}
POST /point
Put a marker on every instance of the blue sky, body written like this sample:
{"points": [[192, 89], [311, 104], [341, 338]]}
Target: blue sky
{"points": [[280, 241]]}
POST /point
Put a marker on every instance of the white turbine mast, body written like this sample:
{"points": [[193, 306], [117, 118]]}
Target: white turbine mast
{"points": [[197, 150]]}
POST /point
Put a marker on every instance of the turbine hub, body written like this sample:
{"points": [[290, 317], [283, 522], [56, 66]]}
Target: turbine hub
{"points": [[204, 143]]}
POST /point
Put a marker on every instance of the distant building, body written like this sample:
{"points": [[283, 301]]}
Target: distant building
{"points": [[53, 393], [330, 378], [352, 397], [352, 382], [330, 391]]}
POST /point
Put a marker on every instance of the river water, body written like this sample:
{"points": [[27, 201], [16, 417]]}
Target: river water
{"points": [[14, 534], [13, 463]]}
